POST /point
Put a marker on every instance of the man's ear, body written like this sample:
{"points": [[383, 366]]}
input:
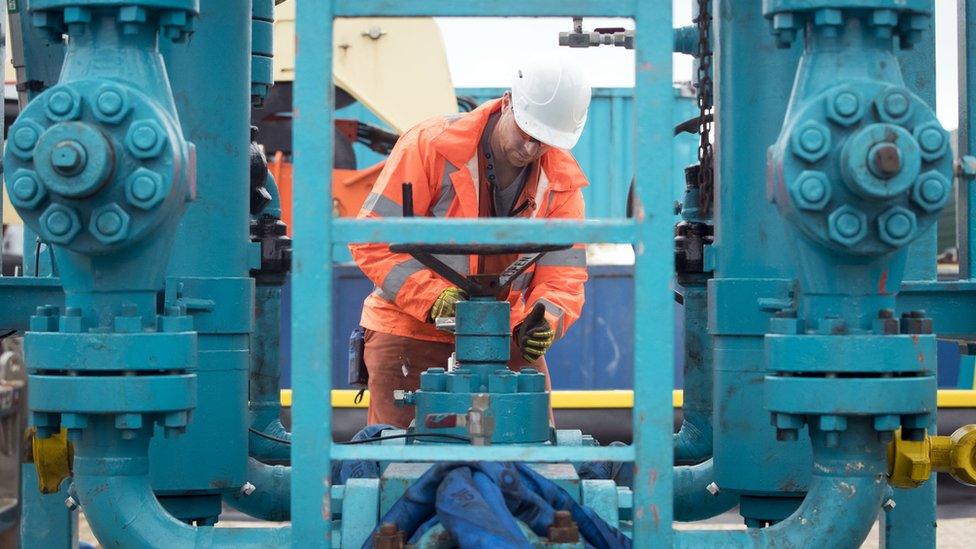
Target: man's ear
{"points": [[507, 100]]}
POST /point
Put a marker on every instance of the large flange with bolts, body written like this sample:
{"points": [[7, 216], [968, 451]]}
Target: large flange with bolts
{"points": [[139, 377], [904, 19], [863, 168], [96, 165], [174, 18]]}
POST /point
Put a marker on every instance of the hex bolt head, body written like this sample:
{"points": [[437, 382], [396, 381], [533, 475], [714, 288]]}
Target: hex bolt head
{"points": [[933, 141], [111, 104], [811, 190], [845, 107], [145, 139], [26, 189], [144, 189], [713, 489], [894, 106], [896, 226], [109, 224], [811, 141], [889, 505], [24, 135], [63, 103], [931, 191], [60, 224], [71, 503], [847, 225]]}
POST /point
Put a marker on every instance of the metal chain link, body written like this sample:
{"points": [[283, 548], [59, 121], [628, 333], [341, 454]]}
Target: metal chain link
{"points": [[706, 158]]}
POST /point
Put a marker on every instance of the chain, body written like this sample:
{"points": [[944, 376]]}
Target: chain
{"points": [[706, 158]]}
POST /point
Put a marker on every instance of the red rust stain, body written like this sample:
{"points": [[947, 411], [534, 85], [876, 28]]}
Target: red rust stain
{"points": [[921, 358], [646, 66], [915, 339], [653, 477], [657, 516], [883, 282], [639, 513]]}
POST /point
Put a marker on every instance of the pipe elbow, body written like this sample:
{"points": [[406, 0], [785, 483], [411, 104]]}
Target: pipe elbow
{"points": [[271, 497], [693, 498], [693, 442], [264, 448]]}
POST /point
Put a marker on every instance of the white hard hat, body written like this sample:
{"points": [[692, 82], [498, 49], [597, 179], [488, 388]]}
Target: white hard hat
{"points": [[550, 97]]}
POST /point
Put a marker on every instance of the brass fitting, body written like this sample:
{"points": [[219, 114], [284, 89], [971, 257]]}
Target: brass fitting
{"points": [[52, 459], [910, 463]]}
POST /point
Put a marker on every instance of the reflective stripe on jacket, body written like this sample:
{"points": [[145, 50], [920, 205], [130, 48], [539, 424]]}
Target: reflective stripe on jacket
{"points": [[440, 158]]}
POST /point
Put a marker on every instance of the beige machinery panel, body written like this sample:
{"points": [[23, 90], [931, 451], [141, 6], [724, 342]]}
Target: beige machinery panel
{"points": [[397, 67]]}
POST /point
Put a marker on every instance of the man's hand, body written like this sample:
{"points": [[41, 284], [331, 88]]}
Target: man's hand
{"points": [[535, 335], [446, 304]]}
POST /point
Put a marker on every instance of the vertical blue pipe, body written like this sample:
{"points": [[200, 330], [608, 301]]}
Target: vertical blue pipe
{"points": [[45, 522], [210, 261], [966, 193], [311, 319], [751, 256], [654, 266], [912, 523]]}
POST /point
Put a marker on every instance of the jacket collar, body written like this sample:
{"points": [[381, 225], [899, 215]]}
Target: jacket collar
{"points": [[459, 140]]}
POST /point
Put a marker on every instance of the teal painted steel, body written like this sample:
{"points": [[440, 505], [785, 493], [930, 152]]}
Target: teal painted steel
{"points": [[502, 8], [966, 194], [311, 318]]}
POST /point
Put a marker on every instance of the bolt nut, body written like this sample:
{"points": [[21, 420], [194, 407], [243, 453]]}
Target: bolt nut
{"points": [[897, 226], [111, 104], [145, 139], [811, 141], [845, 107], [144, 189], [847, 225], [713, 489], [71, 503], [931, 191], [247, 489], [831, 422], [811, 190], [25, 189], [828, 17], [889, 505], [59, 224], [24, 135], [63, 103], [109, 224], [933, 140], [894, 105]]}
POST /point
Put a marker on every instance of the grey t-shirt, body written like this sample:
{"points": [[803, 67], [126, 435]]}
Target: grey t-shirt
{"points": [[504, 197]]}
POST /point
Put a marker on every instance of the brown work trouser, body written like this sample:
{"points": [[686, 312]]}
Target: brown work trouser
{"points": [[396, 362]]}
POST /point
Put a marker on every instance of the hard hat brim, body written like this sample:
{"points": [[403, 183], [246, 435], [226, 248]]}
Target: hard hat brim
{"points": [[547, 135]]}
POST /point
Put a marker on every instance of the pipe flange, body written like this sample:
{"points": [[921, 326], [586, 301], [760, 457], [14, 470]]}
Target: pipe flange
{"points": [[122, 151], [855, 164]]}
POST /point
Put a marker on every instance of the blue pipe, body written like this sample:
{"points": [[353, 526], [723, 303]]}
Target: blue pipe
{"points": [[692, 498], [693, 441], [271, 498], [111, 476], [840, 507], [264, 389]]}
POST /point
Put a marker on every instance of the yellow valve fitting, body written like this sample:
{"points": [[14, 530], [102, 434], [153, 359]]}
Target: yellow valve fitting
{"points": [[910, 463], [52, 459]]}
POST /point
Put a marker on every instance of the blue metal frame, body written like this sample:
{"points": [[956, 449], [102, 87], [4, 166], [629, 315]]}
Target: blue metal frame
{"points": [[315, 232]]}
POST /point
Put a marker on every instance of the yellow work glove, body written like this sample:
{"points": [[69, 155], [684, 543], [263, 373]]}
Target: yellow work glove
{"points": [[535, 336], [446, 304]]}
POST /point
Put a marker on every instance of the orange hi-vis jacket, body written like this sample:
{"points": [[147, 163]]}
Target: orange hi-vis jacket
{"points": [[440, 158]]}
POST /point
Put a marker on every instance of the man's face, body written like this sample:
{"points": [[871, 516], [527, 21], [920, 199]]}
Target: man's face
{"points": [[519, 148]]}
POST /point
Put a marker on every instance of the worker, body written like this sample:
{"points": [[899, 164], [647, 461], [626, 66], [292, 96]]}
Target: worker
{"points": [[507, 158]]}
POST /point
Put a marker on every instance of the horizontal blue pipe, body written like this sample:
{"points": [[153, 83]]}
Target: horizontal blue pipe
{"points": [[482, 231], [692, 500], [464, 452], [271, 498], [476, 8]]}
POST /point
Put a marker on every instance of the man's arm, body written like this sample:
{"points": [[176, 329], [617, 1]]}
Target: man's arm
{"points": [[402, 279], [559, 276]]}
